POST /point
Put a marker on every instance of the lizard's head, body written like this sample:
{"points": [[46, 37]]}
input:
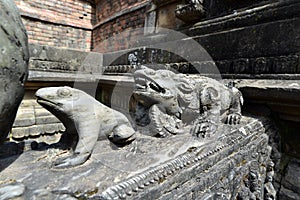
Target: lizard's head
{"points": [[62, 101], [56, 98]]}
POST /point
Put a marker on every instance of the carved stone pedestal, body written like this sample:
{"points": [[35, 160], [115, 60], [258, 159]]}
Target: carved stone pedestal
{"points": [[234, 162]]}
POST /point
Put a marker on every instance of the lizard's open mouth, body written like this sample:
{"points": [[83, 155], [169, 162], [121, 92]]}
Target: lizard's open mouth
{"points": [[47, 102]]}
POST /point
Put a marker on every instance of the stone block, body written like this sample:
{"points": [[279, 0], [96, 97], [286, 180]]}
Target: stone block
{"points": [[20, 133], [51, 128], [58, 59], [46, 119], [287, 194], [25, 117], [41, 112], [28, 103], [35, 130], [291, 180]]}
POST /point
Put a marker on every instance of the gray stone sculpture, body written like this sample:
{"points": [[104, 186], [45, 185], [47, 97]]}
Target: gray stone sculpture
{"points": [[190, 10], [233, 164], [14, 56], [177, 102], [85, 120]]}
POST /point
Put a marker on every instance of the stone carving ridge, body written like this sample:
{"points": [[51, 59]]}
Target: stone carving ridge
{"points": [[191, 158], [253, 66]]}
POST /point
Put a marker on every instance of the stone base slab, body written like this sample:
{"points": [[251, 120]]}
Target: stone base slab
{"points": [[176, 167]]}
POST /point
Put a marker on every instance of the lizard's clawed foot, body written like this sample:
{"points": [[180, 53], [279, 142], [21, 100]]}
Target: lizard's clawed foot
{"points": [[204, 129], [71, 161], [233, 119]]}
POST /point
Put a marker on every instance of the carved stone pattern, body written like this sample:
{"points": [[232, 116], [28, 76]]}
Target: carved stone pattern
{"points": [[118, 69], [71, 66], [157, 175], [133, 58], [263, 65], [51, 65]]}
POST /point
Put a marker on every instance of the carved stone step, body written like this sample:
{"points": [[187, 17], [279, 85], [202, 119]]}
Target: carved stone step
{"points": [[36, 130]]}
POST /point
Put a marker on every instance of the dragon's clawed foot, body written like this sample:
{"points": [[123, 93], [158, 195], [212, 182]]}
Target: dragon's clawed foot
{"points": [[233, 119], [204, 129]]}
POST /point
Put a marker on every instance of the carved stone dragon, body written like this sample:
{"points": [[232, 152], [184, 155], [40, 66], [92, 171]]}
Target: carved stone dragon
{"points": [[178, 102]]}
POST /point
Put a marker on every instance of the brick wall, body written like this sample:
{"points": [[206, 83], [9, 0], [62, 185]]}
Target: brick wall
{"points": [[114, 17], [108, 8], [82, 24], [66, 23]]}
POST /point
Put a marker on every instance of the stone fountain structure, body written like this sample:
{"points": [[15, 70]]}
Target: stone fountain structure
{"points": [[201, 149], [223, 159]]}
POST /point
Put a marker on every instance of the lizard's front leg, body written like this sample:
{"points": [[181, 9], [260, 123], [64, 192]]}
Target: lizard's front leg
{"points": [[234, 116], [207, 122], [88, 131]]}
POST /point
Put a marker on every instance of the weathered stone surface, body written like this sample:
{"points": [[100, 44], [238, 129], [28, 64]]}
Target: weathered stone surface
{"points": [[25, 117], [46, 119], [150, 168], [215, 8], [291, 181], [277, 99], [242, 43], [288, 194], [13, 64], [36, 130], [57, 59], [12, 191], [33, 121]]}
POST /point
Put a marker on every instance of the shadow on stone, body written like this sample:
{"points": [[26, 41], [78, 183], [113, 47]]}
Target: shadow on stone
{"points": [[9, 152]]}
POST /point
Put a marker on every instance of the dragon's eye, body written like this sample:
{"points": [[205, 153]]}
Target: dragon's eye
{"points": [[64, 92]]}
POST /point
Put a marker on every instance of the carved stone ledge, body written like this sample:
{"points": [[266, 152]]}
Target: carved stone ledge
{"points": [[53, 59], [276, 67]]}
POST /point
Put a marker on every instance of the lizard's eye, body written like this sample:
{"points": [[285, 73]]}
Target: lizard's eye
{"points": [[164, 74], [64, 92], [150, 71]]}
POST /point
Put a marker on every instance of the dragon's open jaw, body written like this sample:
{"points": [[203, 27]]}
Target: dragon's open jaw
{"points": [[144, 84]]}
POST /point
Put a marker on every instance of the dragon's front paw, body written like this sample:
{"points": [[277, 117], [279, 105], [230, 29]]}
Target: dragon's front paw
{"points": [[71, 161], [204, 129], [233, 119]]}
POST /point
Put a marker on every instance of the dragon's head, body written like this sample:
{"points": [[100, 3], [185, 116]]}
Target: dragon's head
{"points": [[157, 87]]}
